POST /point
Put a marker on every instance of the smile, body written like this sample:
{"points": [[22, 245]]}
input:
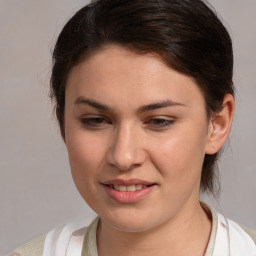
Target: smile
{"points": [[130, 188], [126, 192]]}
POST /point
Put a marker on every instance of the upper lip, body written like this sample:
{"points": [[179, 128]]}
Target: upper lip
{"points": [[128, 182]]}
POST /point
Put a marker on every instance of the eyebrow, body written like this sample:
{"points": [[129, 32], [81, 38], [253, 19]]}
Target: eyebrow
{"points": [[157, 105], [92, 103], [144, 108]]}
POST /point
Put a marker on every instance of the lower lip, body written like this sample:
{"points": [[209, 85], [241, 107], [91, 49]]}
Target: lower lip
{"points": [[128, 197]]}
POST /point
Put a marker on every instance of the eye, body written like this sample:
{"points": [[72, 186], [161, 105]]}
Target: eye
{"points": [[160, 122], [94, 122]]}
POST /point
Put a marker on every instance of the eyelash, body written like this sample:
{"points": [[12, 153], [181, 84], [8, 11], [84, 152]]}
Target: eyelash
{"points": [[98, 122], [93, 122], [161, 122]]}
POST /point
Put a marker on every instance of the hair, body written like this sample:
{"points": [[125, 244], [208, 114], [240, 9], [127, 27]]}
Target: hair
{"points": [[186, 34]]}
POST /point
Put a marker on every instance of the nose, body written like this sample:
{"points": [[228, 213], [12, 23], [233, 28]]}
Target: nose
{"points": [[126, 151]]}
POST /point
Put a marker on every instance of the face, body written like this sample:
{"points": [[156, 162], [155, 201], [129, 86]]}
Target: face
{"points": [[136, 132]]}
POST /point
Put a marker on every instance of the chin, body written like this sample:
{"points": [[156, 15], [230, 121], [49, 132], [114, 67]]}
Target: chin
{"points": [[131, 222], [130, 227]]}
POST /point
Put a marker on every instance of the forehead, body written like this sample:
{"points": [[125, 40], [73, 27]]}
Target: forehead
{"points": [[115, 72]]}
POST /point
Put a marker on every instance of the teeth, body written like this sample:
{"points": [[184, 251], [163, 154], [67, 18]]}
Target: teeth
{"points": [[116, 187], [122, 188], [138, 187], [130, 188]]}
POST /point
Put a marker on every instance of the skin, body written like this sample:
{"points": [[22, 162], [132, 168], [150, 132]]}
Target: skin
{"points": [[164, 146]]}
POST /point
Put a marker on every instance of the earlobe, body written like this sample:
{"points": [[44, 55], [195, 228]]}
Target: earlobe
{"points": [[219, 125]]}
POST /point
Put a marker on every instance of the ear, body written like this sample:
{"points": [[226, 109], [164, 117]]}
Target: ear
{"points": [[219, 125]]}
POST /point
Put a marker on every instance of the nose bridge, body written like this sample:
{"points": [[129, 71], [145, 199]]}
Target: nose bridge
{"points": [[126, 150]]}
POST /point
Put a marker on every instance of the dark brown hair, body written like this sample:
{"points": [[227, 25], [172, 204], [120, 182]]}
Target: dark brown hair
{"points": [[186, 34]]}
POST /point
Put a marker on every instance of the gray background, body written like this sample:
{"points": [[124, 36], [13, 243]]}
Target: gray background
{"points": [[36, 188]]}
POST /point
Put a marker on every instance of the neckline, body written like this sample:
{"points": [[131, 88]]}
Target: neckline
{"points": [[90, 242]]}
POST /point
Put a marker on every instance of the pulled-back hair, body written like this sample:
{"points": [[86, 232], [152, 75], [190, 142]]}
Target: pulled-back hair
{"points": [[186, 34]]}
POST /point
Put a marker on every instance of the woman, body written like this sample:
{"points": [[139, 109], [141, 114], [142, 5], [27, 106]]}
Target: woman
{"points": [[144, 99]]}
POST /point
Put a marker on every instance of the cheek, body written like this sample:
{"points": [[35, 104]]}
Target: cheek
{"points": [[180, 157], [86, 156]]}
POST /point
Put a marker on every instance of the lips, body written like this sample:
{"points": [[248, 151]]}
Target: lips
{"points": [[128, 182], [128, 191]]}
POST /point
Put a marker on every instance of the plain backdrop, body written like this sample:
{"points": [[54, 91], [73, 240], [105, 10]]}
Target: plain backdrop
{"points": [[36, 189]]}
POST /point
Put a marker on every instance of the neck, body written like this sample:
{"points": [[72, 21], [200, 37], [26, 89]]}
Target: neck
{"points": [[190, 228]]}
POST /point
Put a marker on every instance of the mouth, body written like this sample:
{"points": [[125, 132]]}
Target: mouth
{"points": [[128, 191], [130, 188]]}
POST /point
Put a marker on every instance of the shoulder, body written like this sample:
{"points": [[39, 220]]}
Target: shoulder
{"points": [[228, 237], [56, 242], [244, 230], [240, 241], [250, 232], [34, 247]]}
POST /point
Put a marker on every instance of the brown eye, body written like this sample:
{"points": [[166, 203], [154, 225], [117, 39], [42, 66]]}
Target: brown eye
{"points": [[94, 122], [160, 122]]}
